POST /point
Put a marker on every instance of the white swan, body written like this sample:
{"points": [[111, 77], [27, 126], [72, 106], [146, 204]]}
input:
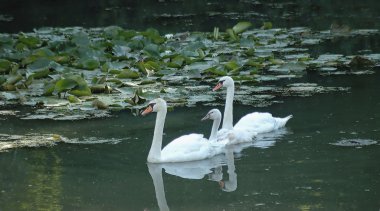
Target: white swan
{"points": [[185, 148], [224, 136], [254, 122], [213, 114]]}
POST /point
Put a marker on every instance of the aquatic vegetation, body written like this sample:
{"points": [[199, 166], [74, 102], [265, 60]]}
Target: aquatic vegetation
{"points": [[32, 140], [113, 68], [354, 142]]}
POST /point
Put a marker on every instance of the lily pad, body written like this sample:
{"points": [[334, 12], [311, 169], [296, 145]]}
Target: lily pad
{"points": [[126, 73], [354, 142], [241, 27], [5, 66]]}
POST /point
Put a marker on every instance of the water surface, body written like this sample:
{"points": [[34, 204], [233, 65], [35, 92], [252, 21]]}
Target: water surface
{"points": [[178, 16], [302, 170]]}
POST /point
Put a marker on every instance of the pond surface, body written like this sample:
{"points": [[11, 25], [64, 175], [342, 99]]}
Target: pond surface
{"points": [[298, 169], [326, 158], [170, 16]]}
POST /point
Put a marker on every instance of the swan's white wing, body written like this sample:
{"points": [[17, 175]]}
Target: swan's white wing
{"points": [[235, 136], [257, 122], [188, 148]]}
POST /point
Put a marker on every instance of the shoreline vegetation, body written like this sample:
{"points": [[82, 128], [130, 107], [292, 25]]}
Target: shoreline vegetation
{"points": [[77, 73]]}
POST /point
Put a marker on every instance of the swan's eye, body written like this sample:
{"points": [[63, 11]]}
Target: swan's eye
{"points": [[221, 82], [152, 104]]}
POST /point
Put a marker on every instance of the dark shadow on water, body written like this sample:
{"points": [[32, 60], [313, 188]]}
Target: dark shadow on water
{"points": [[179, 16]]}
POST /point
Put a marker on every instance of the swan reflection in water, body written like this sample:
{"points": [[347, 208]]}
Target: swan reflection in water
{"points": [[212, 167], [188, 170]]}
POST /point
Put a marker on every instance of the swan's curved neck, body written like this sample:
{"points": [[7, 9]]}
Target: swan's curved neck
{"points": [[227, 117], [155, 150], [214, 129]]}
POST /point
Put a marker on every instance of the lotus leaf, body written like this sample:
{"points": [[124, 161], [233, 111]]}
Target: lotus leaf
{"points": [[215, 71], [126, 73], [241, 27], [43, 52], [61, 59], [5, 66], [232, 35], [2, 80], [121, 51], [152, 50], [99, 104], [177, 62], [232, 65], [65, 84], [39, 74], [73, 99], [49, 89], [153, 35], [267, 25], [81, 91], [29, 41], [39, 65], [89, 64], [81, 39]]}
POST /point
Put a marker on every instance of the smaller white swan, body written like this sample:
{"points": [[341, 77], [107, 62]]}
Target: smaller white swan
{"points": [[185, 148], [254, 122], [225, 136], [213, 114]]}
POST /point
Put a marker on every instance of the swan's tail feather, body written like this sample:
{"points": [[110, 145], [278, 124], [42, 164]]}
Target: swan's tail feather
{"points": [[281, 122]]}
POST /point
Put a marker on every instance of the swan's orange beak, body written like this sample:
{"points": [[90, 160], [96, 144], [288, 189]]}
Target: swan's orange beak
{"points": [[147, 110], [218, 86]]}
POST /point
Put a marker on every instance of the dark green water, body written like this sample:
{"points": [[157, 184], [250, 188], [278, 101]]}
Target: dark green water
{"points": [[301, 171], [180, 15]]}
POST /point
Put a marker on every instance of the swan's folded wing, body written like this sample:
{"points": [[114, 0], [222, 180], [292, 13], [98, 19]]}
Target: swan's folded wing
{"points": [[187, 148], [257, 122], [191, 140]]}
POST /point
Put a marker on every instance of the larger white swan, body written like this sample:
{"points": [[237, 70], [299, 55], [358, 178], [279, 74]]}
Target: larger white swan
{"points": [[185, 148], [254, 122]]}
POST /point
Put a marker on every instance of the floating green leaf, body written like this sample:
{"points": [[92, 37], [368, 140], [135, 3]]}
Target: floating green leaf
{"points": [[81, 39], [29, 41], [73, 99], [89, 64], [39, 65], [232, 65], [232, 35], [152, 50], [267, 25], [40, 74], [126, 73], [177, 62], [241, 27], [153, 35], [215, 71], [65, 84], [81, 91], [99, 104], [136, 98], [5, 66], [2, 80], [49, 89], [43, 52], [121, 51]]}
